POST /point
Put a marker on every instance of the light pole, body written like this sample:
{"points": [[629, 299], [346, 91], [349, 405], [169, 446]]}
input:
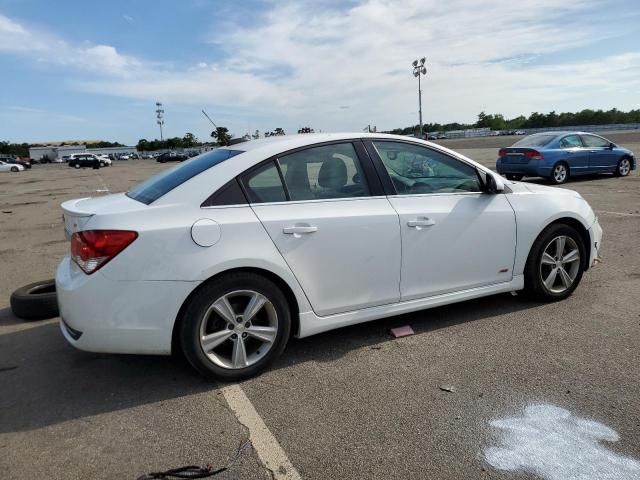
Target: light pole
{"points": [[160, 117], [418, 70]]}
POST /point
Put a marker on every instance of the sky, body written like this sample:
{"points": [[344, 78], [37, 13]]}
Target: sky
{"points": [[94, 70]]}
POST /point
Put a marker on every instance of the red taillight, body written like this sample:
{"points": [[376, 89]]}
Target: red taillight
{"points": [[92, 249], [502, 153], [533, 155]]}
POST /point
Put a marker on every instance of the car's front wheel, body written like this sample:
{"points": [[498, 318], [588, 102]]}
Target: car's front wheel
{"points": [[14, 169], [235, 327], [555, 264], [624, 167], [559, 174]]}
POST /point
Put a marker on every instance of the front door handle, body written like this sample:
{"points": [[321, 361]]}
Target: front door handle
{"points": [[299, 229], [420, 222]]}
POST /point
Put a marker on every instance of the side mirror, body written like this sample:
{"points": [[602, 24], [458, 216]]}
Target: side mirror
{"points": [[611, 146], [493, 183]]}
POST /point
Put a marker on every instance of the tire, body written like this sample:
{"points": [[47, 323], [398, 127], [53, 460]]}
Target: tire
{"points": [[14, 169], [513, 176], [200, 319], [102, 164], [624, 167], [537, 269], [76, 165], [559, 173], [36, 301]]}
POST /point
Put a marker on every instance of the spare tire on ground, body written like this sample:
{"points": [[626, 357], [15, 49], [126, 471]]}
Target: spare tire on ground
{"points": [[36, 301]]}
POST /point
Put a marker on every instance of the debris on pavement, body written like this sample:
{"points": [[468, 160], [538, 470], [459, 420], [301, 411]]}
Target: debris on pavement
{"points": [[447, 388], [403, 331]]}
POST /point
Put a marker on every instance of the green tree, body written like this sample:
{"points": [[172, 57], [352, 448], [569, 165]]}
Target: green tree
{"points": [[143, 145], [222, 136], [189, 140]]}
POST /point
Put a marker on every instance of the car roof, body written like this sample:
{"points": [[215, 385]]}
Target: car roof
{"points": [[564, 132]]}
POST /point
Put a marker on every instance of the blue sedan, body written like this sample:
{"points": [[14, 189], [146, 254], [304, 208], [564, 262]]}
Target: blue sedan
{"points": [[560, 155]]}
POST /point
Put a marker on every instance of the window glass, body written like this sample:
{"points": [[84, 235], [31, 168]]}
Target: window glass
{"points": [[534, 141], [159, 185], [328, 171], [415, 169], [264, 185], [570, 141], [593, 141]]}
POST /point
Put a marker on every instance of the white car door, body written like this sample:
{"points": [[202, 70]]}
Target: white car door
{"points": [[454, 236], [340, 239]]}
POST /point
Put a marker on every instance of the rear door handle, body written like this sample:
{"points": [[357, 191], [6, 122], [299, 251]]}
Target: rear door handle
{"points": [[420, 222], [299, 229]]}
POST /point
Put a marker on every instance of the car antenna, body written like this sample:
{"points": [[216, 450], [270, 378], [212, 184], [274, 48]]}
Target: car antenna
{"points": [[209, 118]]}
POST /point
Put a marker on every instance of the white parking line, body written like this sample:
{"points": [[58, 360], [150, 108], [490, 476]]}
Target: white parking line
{"points": [[265, 444]]}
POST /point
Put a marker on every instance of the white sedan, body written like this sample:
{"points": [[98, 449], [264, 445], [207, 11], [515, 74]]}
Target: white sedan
{"points": [[227, 255], [10, 167]]}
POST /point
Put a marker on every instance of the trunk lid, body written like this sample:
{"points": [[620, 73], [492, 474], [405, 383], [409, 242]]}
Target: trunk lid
{"points": [[78, 212], [516, 155]]}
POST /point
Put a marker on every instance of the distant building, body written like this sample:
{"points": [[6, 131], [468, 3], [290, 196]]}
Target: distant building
{"points": [[58, 151]]}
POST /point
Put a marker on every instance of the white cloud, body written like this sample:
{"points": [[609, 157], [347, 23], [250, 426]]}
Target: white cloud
{"points": [[301, 63], [128, 18]]}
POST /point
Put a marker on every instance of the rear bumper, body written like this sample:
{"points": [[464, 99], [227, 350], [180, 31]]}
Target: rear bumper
{"points": [[102, 315], [533, 168]]}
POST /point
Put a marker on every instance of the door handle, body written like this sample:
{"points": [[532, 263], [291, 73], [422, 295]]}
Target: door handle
{"points": [[420, 222], [299, 229]]}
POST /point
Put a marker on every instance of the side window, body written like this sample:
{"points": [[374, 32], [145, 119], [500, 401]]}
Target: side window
{"points": [[415, 169], [570, 141], [593, 141], [328, 171], [264, 185]]}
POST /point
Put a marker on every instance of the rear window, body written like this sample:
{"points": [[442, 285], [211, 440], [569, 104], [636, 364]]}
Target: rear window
{"points": [[534, 141], [155, 187]]}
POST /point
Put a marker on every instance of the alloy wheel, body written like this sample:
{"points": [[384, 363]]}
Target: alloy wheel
{"points": [[560, 264], [625, 167], [560, 173], [238, 329]]}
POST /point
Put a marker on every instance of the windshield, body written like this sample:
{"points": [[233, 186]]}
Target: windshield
{"points": [[534, 141], [155, 187]]}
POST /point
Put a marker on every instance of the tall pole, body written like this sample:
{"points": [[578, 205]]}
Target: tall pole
{"points": [[420, 104], [160, 118], [419, 69]]}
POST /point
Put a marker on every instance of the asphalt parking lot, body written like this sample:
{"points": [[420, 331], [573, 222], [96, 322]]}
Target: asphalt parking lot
{"points": [[473, 394]]}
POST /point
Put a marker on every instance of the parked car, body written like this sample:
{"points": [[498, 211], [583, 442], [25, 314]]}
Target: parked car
{"points": [[228, 255], [78, 160], [123, 156], [561, 155], [15, 161], [171, 157], [10, 167], [146, 155]]}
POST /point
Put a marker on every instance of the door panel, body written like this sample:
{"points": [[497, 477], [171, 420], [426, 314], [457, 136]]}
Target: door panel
{"points": [[453, 242], [574, 153], [601, 157], [344, 253]]}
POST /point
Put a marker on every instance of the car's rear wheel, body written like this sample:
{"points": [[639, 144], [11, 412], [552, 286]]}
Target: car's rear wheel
{"points": [[513, 176], [624, 167], [76, 165], [102, 164], [555, 264], [14, 169], [559, 174], [235, 327]]}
